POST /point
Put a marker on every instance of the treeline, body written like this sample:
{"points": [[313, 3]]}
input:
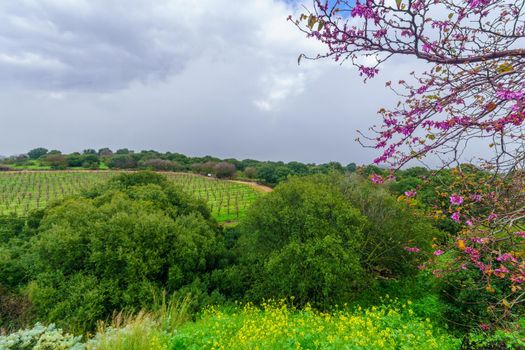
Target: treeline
{"points": [[268, 172]]}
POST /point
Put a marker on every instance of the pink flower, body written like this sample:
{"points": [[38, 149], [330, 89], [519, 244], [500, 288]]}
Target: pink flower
{"points": [[475, 197], [455, 217], [456, 200], [520, 234], [492, 217], [469, 222], [410, 193], [506, 257], [412, 249], [484, 327], [438, 252], [377, 179]]}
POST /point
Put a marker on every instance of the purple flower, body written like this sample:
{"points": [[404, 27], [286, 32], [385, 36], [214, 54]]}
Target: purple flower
{"points": [[438, 252], [455, 217], [456, 200], [410, 193], [412, 249], [377, 179]]}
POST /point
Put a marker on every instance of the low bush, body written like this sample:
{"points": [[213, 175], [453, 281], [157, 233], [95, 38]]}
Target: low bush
{"points": [[41, 338]]}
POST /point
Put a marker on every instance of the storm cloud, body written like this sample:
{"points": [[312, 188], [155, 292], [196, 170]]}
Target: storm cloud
{"points": [[216, 77]]}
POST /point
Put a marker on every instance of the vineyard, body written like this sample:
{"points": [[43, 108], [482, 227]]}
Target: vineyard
{"points": [[21, 192]]}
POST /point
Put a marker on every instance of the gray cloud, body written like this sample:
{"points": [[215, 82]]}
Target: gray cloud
{"points": [[215, 77]]}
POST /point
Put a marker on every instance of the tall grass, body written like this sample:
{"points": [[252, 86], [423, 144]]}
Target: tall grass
{"points": [[144, 330]]}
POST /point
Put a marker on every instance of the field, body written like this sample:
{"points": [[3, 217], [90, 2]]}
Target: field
{"points": [[21, 192]]}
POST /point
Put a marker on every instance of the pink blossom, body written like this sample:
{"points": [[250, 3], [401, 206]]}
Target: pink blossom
{"points": [[438, 252], [412, 249], [455, 217], [509, 95], [475, 197], [377, 179], [410, 193], [485, 327], [468, 222], [492, 217], [369, 72], [520, 234], [506, 257], [456, 200]]}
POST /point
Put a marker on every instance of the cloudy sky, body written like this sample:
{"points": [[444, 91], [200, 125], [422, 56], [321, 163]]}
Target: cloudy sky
{"points": [[216, 77]]}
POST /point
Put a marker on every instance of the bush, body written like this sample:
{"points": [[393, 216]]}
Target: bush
{"points": [[301, 240], [14, 310], [55, 160], [224, 170], [115, 248], [250, 172], [122, 161], [41, 338], [37, 153], [392, 226], [161, 165]]}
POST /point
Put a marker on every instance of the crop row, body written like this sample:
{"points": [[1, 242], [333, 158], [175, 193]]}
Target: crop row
{"points": [[21, 192]]}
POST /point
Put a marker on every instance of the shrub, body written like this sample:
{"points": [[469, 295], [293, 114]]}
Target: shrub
{"points": [[14, 310], [41, 338], [250, 172], [392, 226], [302, 240], [122, 161], [204, 168], [161, 165], [115, 248], [55, 160], [37, 153], [224, 170]]}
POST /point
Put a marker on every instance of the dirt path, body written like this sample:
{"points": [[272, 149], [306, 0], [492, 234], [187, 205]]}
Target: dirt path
{"points": [[255, 185]]}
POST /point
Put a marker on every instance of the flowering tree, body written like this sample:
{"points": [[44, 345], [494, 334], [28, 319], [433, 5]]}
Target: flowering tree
{"points": [[472, 91]]}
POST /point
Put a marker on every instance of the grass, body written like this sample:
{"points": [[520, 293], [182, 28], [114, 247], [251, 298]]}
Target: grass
{"points": [[21, 192], [145, 330]]}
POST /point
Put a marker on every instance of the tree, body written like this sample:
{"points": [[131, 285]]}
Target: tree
{"points": [[224, 170], [117, 246], [105, 152], [161, 165], [74, 159], [471, 90], [55, 160], [250, 172], [37, 153], [302, 240], [90, 160], [122, 161]]}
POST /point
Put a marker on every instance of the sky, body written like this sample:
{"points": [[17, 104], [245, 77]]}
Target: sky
{"points": [[207, 77]]}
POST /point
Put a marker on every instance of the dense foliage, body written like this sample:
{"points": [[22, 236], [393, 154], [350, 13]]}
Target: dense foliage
{"points": [[118, 247], [319, 240], [326, 239]]}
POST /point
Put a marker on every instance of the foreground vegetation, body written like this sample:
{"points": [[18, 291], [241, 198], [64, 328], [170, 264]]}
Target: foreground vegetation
{"points": [[327, 249]]}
